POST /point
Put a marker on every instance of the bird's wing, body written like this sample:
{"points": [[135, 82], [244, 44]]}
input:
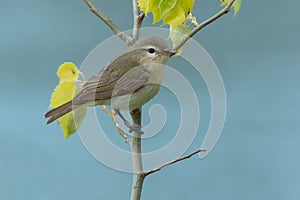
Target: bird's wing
{"points": [[105, 85], [131, 81]]}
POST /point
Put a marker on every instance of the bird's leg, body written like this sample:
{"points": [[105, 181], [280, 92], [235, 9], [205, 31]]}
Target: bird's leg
{"points": [[113, 116], [134, 127], [126, 123]]}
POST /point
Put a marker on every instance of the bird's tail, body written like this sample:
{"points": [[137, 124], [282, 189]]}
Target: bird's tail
{"points": [[56, 113]]}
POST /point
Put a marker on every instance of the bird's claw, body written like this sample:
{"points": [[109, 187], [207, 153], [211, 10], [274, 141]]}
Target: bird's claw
{"points": [[135, 128]]}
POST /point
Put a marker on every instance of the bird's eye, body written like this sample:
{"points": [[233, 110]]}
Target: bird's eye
{"points": [[151, 50]]}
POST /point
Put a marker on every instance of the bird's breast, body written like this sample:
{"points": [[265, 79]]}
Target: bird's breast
{"points": [[157, 72], [144, 93]]}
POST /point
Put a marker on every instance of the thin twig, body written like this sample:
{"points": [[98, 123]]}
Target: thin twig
{"points": [[108, 22], [172, 162], [197, 28], [137, 21]]}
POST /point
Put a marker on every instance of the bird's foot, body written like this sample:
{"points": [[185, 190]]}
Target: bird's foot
{"points": [[136, 128]]}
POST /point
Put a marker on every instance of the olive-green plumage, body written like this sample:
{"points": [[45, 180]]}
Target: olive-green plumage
{"points": [[128, 82]]}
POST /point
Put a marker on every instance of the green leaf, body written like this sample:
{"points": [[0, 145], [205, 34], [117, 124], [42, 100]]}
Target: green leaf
{"points": [[156, 15], [148, 5], [154, 4], [64, 92], [176, 17], [177, 33], [70, 122], [166, 6], [172, 12], [144, 4], [187, 4]]}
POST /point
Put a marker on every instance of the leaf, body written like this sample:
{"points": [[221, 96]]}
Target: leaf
{"points": [[187, 4], [153, 5], [236, 5], [144, 5], [176, 17], [177, 33], [172, 12], [68, 71], [166, 6], [71, 122], [148, 5], [64, 92], [156, 15]]}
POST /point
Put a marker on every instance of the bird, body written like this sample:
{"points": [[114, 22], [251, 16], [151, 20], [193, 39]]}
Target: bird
{"points": [[128, 82]]}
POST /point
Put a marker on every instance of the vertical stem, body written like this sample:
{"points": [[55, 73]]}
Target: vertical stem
{"points": [[138, 178], [136, 115], [136, 13], [137, 21]]}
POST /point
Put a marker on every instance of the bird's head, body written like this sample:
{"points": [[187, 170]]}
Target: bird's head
{"points": [[152, 49]]}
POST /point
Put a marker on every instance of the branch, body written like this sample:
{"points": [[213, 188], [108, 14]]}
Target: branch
{"points": [[108, 22], [137, 162], [172, 162], [137, 21], [197, 28]]}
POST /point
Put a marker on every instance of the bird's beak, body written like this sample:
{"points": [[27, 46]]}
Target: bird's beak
{"points": [[170, 52]]}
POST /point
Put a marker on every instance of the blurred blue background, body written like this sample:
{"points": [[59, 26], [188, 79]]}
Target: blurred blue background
{"points": [[257, 156]]}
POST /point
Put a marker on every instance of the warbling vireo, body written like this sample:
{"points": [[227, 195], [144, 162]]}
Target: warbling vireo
{"points": [[128, 82]]}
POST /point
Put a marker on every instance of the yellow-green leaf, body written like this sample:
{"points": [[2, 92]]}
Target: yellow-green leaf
{"points": [[144, 4], [172, 12], [187, 4], [177, 33], [156, 15], [176, 17], [68, 72], [64, 92], [166, 6], [148, 5], [72, 121], [153, 4]]}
